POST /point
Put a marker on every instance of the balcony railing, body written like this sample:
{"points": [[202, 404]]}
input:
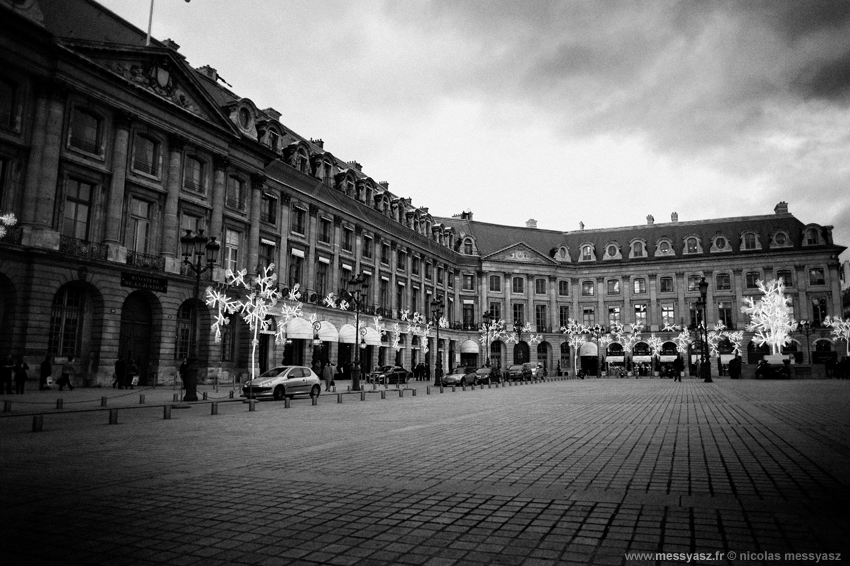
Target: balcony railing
{"points": [[82, 248], [145, 261]]}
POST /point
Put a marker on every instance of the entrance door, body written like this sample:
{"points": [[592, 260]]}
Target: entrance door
{"points": [[135, 342]]}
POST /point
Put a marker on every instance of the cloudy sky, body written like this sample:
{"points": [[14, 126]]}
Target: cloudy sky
{"points": [[599, 112]]}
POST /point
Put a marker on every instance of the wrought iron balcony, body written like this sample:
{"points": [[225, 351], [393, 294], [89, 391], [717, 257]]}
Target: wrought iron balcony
{"points": [[145, 261], [82, 248]]}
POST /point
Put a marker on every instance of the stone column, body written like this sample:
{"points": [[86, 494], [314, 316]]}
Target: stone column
{"points": [[283, 261], [681, 286], [170, 236], [333, 284], [710, 307], [220, 165], [115, 203], [553, 314], [738, 318], [601, 315], [805, 312], [49, 165], [254, 222], [652, 307], [31, 184], [628, 305], [310, 261]]}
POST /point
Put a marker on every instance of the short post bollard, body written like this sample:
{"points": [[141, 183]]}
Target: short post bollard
{"points": [[414, 392], [37, 423], [333, 388], [176, 397], [287, 403], [453, 389], [349, 388], [362, 395], [141, 399], [166, 411], [427, 390], [231, 394], [214, 408], [113, 416], [339, 397], [205, 395], [315, 399], [59, 403], [401, 392], [463, 387], [252, 404], [383, 394], [103, 401], [7, 406]]}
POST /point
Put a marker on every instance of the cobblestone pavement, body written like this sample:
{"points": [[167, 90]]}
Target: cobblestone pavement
{"points": [[565, 472]]}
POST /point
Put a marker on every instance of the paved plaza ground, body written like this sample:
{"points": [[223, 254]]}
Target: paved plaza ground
{"points": [[562, 472]]}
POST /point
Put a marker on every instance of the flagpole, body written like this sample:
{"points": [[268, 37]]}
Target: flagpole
{"points": [[150, 23]]}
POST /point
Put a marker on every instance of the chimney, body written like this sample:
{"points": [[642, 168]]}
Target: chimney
{"points": [[319, 142], [781, 208], [209, 72], [581, 225], [531, 223], [384, 184], [272, 113], [650, 219], [356, 165], [674, 217], [171, 44], [467, 215]]}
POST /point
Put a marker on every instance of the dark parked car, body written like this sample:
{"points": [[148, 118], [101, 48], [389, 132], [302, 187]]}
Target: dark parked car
{"points": [[520, 372], [772, 371], [488, 375], [389, 374]]}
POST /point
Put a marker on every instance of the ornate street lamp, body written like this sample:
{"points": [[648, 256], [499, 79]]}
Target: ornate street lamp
{"points": [[204, 250], [806, 327], [436, 314], [356, 293], [597, 331], [487, 317], [705, 368]]}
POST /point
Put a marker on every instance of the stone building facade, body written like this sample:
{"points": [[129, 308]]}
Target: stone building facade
{"points": [[111, 149]]}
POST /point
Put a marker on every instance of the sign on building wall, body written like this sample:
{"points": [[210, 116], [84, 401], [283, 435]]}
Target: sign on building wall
{"points": [[137, 281]]}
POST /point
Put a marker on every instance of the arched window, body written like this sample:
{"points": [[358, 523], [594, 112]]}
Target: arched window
{"points": [[812, 237], [691, 245], [66, 322], [749, 241], [637, 249], [185, 315], [586, 253], [467, 247]]}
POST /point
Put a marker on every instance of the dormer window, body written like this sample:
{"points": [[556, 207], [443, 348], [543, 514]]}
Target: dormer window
{"points": [[244, 118], [691, 246], [812, 238], [587, 253], [749, 241], [612, 250], [637, 249], [467, 247], [663, 247], [781, 240]]}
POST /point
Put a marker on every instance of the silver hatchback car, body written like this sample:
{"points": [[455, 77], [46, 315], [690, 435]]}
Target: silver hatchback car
{"points": [[283, 381]]}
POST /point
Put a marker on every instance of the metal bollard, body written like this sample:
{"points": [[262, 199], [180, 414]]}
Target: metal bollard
{"points": [[349, 388], [362, 395], [339, 398], [427, 390], [315, 400], [214, 408], [333, 388], [383, 394], [463, 387], [37, 423], [141, 399], [103, 401], [205, 395], [59, 403], [401, 392], [166, 411], [113, 416], [231, 394], [7, 406], [176, 397], [441, 389], [453, 389], [287, 403], [414, 392], [252, 404]]}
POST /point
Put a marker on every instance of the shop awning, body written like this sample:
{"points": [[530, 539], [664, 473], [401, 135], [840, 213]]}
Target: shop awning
{"points": [[588, 349], [299, 328], [328, 332], [469, 347], [373, 337], [346, 334]]}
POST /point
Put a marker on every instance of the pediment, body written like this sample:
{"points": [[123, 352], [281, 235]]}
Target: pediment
{"points": [[519, 253], [158, 71]]}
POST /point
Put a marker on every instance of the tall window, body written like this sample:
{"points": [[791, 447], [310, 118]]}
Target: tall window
{"points": [[638, 249], [77, 207], [184, 330], [235, 194], [189, 222], [296, 269], [401, 261], [231, 249], [785, 275], [227, 339], [587, 288], [518, 285], [818, 310], [400, 295], [467, 247], [613, 286], [299, 220], [138, 226], [415, 267], [588, 316], [695, 314], [347, 239], [693, 282], [3, 167], [668, 315], [724, 313], [368, 247], [469, 316], [586, 253], [640, 314], [724, 282], [749, 241], [266, 254], [812, 237], [563, 288], [384, 294], [752, 279], [816, 277], [321, 279], [146, 155], [429, 271], [66, 322], [325, 230], [440, 275], [496, 311], [666, 284], [86, 131], [639, 286], [268, 209], [414, 299], [540, 317], [468, 282], [519, 313], [7, 104], [194, 175], [540, 286], [563, 315], [495, 283], [613, 316], [385, 254]]}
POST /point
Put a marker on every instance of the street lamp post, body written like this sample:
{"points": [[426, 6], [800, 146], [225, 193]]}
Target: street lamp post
{"points": [[437, 313], [806, 327], [202, 248], [358, 286], [597, 331], [705, 367], [487, 317]]}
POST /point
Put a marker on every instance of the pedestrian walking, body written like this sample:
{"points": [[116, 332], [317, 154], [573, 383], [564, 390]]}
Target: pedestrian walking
{"points": [[120, 373], [20, 376], [183, 371], [46, 373], [678, 369], [133, 373], [328, 374], [6, 371], [67, 371]]}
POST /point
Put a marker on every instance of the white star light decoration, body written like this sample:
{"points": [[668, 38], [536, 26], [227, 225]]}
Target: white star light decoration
{"points": [[770, 316], [840, 329], [7, 221]]}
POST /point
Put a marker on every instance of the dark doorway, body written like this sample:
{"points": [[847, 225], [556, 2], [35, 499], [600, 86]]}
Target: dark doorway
{"points": [[135, 342]]}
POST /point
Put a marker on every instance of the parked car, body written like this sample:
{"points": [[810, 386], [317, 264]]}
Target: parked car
{"points": [[488, 375], [459, 376], [283, 381], [389, 374], [537, 371], [519, 372], [766, 370]]}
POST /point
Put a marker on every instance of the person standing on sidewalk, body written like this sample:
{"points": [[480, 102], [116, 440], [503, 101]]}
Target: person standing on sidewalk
{"points": [[20, 376], [6, 371], [133, 374], [328, 375], [120, 373], [46, 371], [67, 371]]}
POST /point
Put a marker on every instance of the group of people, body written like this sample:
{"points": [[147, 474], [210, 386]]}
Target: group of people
{"points": [[421, 372], [126, 375], [16, 371]]}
